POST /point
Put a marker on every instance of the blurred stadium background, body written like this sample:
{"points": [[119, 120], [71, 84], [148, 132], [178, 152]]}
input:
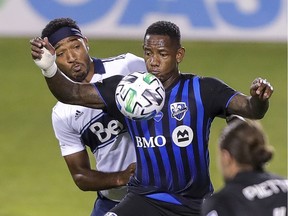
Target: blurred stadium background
{"points": [[235, 41]]}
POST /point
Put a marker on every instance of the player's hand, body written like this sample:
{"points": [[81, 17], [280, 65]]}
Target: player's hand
{"points": [[131, 168], [37, 45], [43, 54], [261, 89], [127, 173]]}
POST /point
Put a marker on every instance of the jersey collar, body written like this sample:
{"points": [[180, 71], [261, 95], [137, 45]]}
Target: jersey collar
{"points": [[98, 66]]}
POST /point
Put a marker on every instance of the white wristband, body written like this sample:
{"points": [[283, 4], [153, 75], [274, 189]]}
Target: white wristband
{"points": [[51, 71], [47, 63]]}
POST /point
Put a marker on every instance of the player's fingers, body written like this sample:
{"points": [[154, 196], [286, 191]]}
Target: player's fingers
{"points": [[36, 48], [255, 87], [268, 91], [263, 89], [256, 83], [48, 46], [36, 52], [36, 55], [262, 85], [37, 41]]}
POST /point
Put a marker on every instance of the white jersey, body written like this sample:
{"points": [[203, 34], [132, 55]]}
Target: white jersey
{"points": [[77, 127]]}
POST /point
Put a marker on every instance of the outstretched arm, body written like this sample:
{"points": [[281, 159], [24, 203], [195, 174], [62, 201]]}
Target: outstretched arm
{"points": [[65, 90], [71, 92], [254, 106]]}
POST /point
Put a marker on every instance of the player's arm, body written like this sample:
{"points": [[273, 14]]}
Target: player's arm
{"points": [[65, 90], [70, 92], [254, 106], [88, 179]]}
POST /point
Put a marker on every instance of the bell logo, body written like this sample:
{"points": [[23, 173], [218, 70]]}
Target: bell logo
{"points": [[182, 136], [104, 133]]}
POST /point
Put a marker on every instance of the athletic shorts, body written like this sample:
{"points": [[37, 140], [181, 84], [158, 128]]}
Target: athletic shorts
{"points": [[135, 204], [102, 205]]}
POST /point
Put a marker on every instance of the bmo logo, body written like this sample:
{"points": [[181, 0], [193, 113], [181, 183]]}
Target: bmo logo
{"points": [[182, 136], [104, 134], [152, 142]]}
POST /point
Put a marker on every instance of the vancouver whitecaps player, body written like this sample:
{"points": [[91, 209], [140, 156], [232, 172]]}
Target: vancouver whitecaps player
{"points": [[76, 126]]}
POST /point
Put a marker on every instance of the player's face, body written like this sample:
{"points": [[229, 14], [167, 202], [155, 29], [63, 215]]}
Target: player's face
{"points": [[162, 56], [72, 58]]}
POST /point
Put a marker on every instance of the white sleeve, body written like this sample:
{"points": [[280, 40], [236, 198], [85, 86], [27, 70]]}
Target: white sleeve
{"points": [[135, 63], [69, 139]]}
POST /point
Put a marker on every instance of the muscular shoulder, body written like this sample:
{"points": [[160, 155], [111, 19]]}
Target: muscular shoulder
{"points": [[205, 81], [211, 82]]}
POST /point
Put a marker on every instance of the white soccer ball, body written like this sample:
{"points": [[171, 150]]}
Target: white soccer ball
{"points": [[140, 95]]}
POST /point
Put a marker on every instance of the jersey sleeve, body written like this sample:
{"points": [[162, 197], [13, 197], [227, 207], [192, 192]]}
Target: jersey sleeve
{"points": [[135, 63], [69, 140], [106, 89], [216, 95]]}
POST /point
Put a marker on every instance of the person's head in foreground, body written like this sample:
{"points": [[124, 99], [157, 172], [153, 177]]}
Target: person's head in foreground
{"points": [[243, 147]]}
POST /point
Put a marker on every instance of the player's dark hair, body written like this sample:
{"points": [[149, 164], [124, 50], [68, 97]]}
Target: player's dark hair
{"points": [[165, 28], [247, 143], [58, 23]]}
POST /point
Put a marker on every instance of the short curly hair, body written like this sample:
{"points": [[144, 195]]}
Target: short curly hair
{"points": [[56, 24], [165, 28]]}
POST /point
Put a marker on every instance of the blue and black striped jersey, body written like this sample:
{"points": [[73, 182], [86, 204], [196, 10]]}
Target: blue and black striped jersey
{"points": [[172, 148]]}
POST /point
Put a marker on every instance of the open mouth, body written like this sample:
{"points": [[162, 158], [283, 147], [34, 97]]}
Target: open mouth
{"points": [[76, 67]]}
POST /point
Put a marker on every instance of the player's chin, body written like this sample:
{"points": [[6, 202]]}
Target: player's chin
{"points": [[79, 77], [157, 74]]}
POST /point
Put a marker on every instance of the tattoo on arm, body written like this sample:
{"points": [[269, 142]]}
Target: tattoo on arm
{"points": [[71, 92]]}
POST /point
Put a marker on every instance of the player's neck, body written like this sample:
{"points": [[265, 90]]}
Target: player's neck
{"points": [[171, 80], [90, 74]]}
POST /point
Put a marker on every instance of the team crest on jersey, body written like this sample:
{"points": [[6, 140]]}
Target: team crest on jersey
{"points": [[178, 110]]}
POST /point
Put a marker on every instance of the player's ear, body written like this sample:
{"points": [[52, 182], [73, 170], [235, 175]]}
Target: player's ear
{"points": [[225, 158], [180, 54]]}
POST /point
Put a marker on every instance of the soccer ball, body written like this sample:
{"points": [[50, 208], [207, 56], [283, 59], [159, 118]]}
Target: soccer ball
{"points": [[140, 96]]}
